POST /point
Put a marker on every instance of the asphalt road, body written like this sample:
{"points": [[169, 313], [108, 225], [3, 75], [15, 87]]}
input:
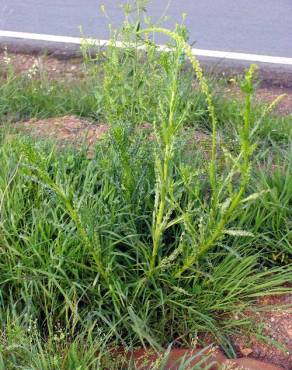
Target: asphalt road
{"points": [[245, 26]]}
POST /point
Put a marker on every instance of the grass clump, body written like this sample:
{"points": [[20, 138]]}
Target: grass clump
{"points": [[145, 243]]}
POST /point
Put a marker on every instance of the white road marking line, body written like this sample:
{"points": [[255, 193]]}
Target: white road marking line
{"points": [[198, 52]]}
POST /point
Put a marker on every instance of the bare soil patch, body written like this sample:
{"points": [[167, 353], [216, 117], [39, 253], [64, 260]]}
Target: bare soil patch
{"points": [[265, 95], [53, 67], [65, 130], [272, 343]]}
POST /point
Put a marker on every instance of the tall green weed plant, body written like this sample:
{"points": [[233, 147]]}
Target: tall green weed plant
{"points": [[139, 241]]}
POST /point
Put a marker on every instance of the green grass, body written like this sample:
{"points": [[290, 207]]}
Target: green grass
{"points": [[22, 97], [146, 243]]}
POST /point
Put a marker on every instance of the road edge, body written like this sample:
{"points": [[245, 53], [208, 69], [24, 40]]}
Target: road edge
{"points": [[276, 75]]}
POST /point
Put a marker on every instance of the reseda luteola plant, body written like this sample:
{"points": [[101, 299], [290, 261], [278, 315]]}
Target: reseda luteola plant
{"points": [[220, 213], [130, 242], [225, 198]]}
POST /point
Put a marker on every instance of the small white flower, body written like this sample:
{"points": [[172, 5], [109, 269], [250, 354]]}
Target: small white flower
{"points": [[6, 57], [33, 69]]}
